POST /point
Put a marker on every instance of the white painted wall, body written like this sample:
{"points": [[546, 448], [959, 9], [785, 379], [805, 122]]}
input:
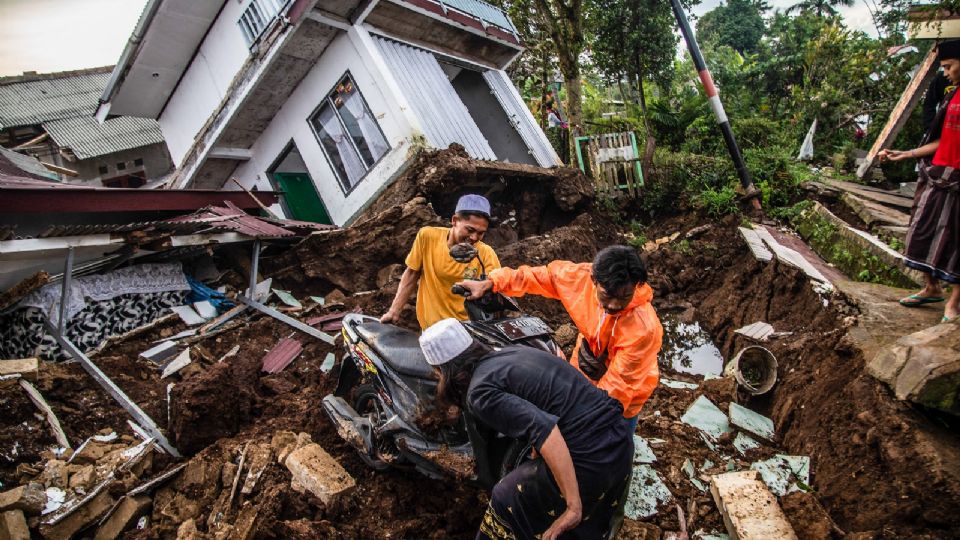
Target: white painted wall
{"points": [[346, 52], [205, 82]]}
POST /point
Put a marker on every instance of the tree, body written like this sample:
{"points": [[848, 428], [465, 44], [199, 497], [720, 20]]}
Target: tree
{"points": [[822, 8], [737, 24], [634, 40], [563, 22]]}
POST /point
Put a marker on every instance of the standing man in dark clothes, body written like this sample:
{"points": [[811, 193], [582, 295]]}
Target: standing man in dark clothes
{"points": [[584, 448]]}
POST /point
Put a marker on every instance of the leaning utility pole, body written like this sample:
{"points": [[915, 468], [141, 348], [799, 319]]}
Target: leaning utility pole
{"points": [[714, 99]]}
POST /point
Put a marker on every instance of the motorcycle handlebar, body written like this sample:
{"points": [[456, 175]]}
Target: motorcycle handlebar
{"points": [[460, 290]]}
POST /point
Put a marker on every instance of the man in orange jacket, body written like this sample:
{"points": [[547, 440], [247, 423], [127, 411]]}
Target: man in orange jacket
{"points": [[609, 302]]}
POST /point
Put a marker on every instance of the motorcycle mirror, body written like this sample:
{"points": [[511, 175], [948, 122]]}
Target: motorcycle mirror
{"points": [[463, 252]]}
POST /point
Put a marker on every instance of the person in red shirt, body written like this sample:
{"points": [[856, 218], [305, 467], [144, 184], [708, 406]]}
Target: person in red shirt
{"points": [[932, 238]]}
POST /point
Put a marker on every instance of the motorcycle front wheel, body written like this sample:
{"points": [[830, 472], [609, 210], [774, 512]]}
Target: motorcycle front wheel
{"points": [[366, 401]]}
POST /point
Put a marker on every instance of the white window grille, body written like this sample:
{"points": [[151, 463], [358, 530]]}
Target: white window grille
{"points": [[258, 16]]}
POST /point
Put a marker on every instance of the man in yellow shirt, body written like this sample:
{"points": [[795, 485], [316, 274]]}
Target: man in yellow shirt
{"points": [[430, 265]]}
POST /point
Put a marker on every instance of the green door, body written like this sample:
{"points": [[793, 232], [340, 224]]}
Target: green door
{"points": [[301, 197]]}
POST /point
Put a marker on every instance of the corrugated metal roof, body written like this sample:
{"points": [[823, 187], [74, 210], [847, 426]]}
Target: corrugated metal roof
{"points": [[15, 164], [444, 117], [27, 101], [88, 138], [521, 117]]}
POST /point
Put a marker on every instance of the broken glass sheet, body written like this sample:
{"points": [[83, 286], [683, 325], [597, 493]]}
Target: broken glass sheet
{"points": [[782, 474], [319, 300], [708, 442], [744, 443], [706, 417], [706, 465], [681, 385], [755, 423], [647, 492], [328, 363], [692, 475], [641, 450], [287, 298]]}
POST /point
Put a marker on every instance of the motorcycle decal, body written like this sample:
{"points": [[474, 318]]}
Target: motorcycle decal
{"points": [[361, 351]]}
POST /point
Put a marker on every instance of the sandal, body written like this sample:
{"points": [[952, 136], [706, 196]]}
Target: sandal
{"points": [[946, 319], [915, 300]]}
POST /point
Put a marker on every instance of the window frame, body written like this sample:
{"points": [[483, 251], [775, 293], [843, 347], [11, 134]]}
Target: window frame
{"points": [[327, 100]]}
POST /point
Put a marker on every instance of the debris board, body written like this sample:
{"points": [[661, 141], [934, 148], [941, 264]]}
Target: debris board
{"points": [[176, 364], [749, 510], [22, 366], [873, 213], [758, 331], [744, 443], [783, 474], [642, 453], [755, 243], [889, 198], [646, 493], [281, 355], [680, 385], [707, 417], [41, 404], [158, 353], [755, 423], [205, 309], [188, 315], [791, 256], [691, 472], [287, 298]]}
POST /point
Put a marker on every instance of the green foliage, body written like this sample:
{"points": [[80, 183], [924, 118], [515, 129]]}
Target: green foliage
{"points": [[717, 203], [737, 24]]}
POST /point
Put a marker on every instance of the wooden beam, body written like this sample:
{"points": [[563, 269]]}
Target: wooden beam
{"points": [[36, 140], [901, 113], [60, 170]]}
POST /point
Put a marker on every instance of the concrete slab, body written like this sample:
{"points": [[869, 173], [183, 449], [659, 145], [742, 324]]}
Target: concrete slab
{"points": [[79, 518], [923, 367], [873, 213], [759, 250], [744, 443], [314, 470], [889, 198], [750, 511], [29, 498], [882, 319], [784, 474], [642, 453]]}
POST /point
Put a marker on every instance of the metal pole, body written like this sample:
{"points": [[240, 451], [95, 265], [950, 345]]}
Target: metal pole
{"points": [[714, 99], [254, 264], [65, 290]]}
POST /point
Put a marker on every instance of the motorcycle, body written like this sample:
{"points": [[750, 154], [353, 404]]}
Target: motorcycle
{"points": [[384, 404]]}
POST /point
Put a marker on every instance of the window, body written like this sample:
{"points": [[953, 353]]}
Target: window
{"points": [[348, 133], [121, 166], [104, 169], [258, 16], [138, 162]]}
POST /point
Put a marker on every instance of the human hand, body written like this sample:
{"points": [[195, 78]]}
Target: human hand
{"points": [[389, 317], [895, 155], [567, 520], [476, 288]]}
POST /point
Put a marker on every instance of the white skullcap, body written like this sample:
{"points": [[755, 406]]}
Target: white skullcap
{"points": [[443, 341]]}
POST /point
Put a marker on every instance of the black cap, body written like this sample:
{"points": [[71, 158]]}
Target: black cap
{"points": [[949, 50]]}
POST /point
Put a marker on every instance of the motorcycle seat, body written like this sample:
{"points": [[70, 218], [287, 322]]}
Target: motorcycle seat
{"points": [[398, 347]]}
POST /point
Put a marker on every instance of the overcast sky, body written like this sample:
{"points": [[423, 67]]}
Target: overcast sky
{"points": [[57, 35]]}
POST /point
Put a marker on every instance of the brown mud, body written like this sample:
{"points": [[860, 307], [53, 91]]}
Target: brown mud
{"points": [[879, 467]]}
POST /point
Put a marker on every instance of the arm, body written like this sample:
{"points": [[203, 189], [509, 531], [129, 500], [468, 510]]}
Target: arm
{"points": [[557, 457], [408, 283], [896, 155], [539, 280]]}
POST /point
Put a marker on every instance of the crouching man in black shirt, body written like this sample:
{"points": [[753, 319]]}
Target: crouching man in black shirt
{"points": [[584, 448]]}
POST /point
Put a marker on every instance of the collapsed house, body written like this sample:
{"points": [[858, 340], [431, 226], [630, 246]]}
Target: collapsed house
{"points": [[325, 101], [49, 116]]}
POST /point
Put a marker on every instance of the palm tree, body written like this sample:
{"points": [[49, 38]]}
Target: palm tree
{"points": [[823, 8]]}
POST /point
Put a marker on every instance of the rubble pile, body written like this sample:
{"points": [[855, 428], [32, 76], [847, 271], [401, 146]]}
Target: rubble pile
{"points": [[238, 392]]}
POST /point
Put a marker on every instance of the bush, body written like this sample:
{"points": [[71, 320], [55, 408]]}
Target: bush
{"points": [[677, 176], [718, 202]]}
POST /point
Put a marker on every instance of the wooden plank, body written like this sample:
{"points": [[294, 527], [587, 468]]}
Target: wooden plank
{"points": [[901, 113], [23, 366], [889, 198], [749, 510], [41, 404], [873, 213]]}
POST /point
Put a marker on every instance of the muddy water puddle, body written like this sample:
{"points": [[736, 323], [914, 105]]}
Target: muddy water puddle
{"points": [[688, 348]]}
